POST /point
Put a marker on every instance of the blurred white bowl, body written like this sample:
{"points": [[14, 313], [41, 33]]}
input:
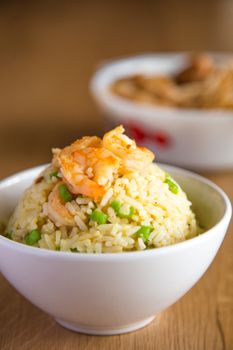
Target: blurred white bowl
{"points": [[193, 138], [113, 293]]}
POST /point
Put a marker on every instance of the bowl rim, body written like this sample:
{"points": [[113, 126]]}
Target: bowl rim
{"points": [[31, 172], [120, 105]]}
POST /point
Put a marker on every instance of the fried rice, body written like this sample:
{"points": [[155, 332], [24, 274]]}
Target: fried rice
{"points": [[140, 209]]}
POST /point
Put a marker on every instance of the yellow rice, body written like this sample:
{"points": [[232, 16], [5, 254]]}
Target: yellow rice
{"points": [[155, 205]]}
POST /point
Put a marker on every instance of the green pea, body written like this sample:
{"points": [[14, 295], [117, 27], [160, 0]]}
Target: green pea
{"points": [[9, 235], [74, 250], [144, 232], [173, 186], [124, 215], [99, 217], [32, 237], [54, 174], [64, 193], [116, 205]]}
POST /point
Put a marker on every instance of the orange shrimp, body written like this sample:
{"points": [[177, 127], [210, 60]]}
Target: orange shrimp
{"points": [[57, 211], [133, 157], [87, 168], [90, 165]]}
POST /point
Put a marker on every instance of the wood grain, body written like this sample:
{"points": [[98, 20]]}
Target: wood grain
{"points": [[48, 51]]}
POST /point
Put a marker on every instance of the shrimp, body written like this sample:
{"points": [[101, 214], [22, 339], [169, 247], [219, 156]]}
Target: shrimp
{"points": [[133, 157], [87, 168], [57, 211], [90, 165]]}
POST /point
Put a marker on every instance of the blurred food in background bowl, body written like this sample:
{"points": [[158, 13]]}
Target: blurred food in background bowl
{"points": [[179, 105], [202, 83]]}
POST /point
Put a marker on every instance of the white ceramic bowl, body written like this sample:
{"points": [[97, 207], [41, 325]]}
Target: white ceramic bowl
{"points": [[193, 138], [113, 293]]}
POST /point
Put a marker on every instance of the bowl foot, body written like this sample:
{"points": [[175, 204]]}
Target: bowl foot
{"points": [[105, 331]]}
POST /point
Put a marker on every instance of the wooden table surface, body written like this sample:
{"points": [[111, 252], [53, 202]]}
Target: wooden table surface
{"points": [[48, 51]]}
